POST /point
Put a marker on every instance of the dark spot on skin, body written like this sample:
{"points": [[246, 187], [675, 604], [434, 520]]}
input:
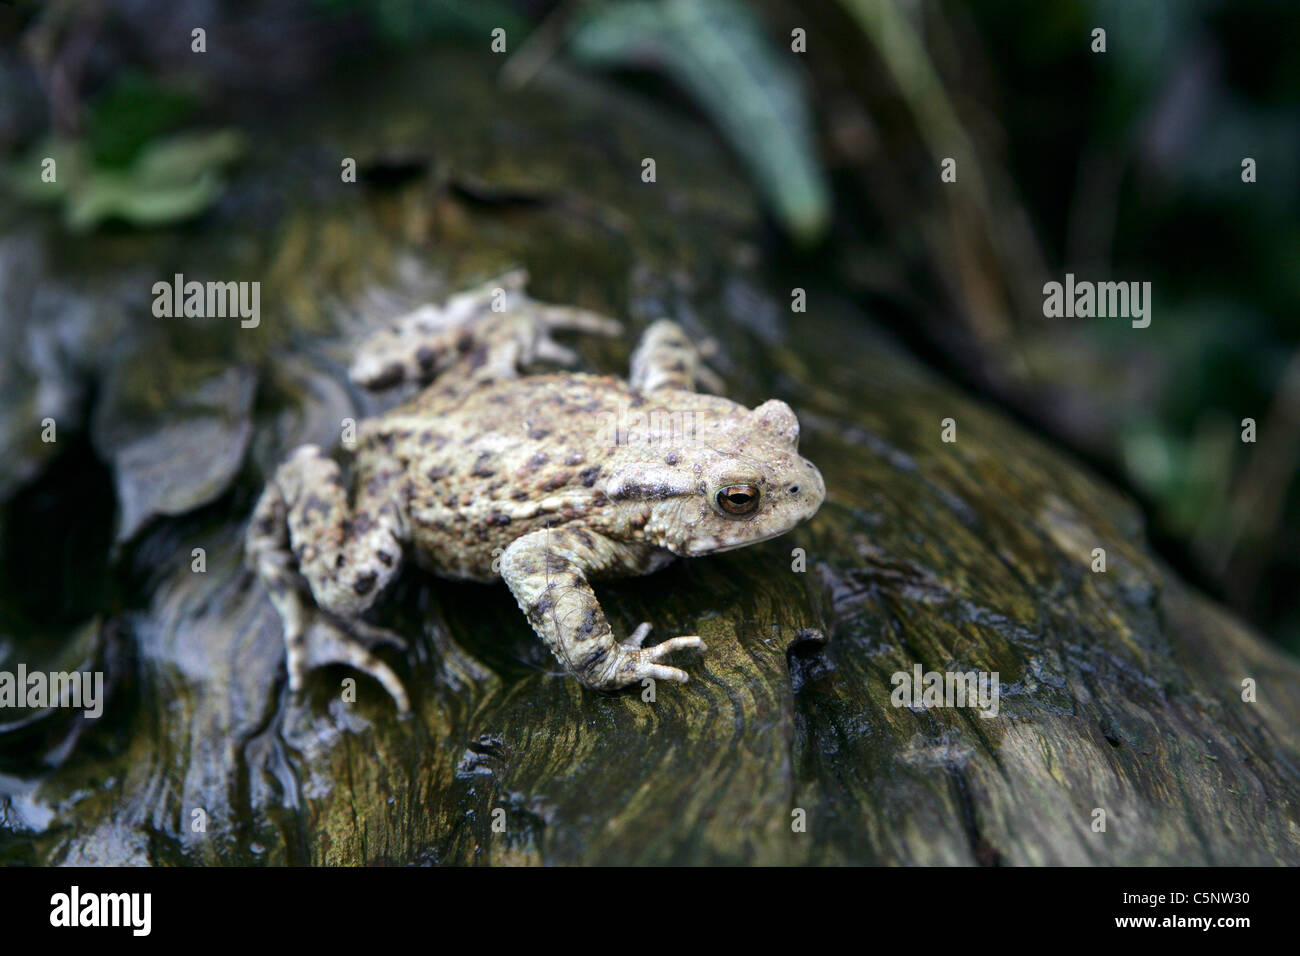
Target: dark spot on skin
{"points": [[556, 564], [481, 469], [389, 376], [464, 342], [539, 610], [426, 357], [637, 400], [478, 358], [266, 526], [635, 491], [679, 367], [385, 559], [576, 458], [364, 583], [583, 537], [594, 660], [437, 473], [557, 481], [537, 461], [498, 518], [340, 560], [672, 458], [589, 475], [589, 625], [312, 505], [537, 434], [520, 495], [334, 481]]}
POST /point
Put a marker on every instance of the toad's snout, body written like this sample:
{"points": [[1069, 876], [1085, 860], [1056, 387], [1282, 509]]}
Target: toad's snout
{"points": [[806, 492]]}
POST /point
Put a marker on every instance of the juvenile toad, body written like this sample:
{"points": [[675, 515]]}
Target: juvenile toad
{"points": [[547, 481]]}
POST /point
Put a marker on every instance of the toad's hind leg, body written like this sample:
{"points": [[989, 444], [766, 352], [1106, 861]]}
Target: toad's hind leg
{"points": [[666, 358], [302, 530], [484, 333]]}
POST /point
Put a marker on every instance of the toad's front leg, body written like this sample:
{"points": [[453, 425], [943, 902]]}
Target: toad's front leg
{"points": [[547, 573]]}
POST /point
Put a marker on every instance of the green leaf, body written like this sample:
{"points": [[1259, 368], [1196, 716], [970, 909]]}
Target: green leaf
{"points": [[132, 112], [180, 160], [171, 180], [715, 50], [111, 195]]}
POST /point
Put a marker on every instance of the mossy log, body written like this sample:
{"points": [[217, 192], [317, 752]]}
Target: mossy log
{"points": [[1121, 691]]}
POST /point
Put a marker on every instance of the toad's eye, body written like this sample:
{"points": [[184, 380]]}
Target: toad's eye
{"points": [[738, 499]]}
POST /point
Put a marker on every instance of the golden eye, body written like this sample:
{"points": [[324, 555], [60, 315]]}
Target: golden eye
{"points": [[738, 499]]}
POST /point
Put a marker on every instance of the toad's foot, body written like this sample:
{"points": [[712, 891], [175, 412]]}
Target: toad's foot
{"points": [[634, 641], [491, 330], [637, 637], [313, 638], [633, 663], [327, 641]]}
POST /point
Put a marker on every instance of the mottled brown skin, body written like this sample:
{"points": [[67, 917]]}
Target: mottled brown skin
{"points": [[547, 481]]}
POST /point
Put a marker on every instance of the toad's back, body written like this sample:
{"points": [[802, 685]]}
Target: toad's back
{"points": [[488, 465]]}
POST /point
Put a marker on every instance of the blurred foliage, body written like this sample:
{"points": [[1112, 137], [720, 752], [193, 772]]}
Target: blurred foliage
{"points": [[169, 180], [1131, 163], [133, 110], [410, 22], [718, 53]]}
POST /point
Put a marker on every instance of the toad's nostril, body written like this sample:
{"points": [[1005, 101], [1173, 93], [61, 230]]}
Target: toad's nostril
{"points": [[794, 489]]}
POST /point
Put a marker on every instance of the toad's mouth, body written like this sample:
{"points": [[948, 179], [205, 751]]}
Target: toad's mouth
{"points": [[721, 548]]}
